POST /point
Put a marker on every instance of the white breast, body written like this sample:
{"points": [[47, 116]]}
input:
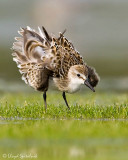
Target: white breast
{"points": [[74, 86]]}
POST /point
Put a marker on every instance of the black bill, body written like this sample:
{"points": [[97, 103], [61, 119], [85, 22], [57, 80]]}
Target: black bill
{"points": [[88, 85]]}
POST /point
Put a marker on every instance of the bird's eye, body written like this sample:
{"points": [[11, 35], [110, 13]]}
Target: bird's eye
{"points": [[78, 75]]}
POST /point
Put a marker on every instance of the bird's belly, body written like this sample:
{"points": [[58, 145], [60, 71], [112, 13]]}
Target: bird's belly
{"points": [[65, 86]]}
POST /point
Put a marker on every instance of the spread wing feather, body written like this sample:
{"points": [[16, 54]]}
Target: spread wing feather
{"points": [[28, 52]]}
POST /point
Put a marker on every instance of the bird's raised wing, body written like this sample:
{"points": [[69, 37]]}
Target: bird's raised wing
{"points": [[29, 52]]}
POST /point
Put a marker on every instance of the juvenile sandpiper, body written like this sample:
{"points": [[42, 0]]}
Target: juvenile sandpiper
{"points": [[40, 57]]}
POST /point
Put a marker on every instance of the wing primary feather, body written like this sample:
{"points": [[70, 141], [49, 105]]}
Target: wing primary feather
{"points": [[61, 35], [46, 34], [42, 35]]}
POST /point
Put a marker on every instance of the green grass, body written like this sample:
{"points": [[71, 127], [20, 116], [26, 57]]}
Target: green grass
{"points": [[82, 106], [95, 128]]}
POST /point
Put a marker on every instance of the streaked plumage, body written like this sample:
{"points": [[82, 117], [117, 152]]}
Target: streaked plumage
{"points": [[40, 56]]}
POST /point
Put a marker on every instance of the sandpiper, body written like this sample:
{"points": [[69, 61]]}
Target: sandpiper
{"points": [[40, 56]]}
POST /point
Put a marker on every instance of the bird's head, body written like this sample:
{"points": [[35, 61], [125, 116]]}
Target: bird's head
{"points": [[83, 74]]}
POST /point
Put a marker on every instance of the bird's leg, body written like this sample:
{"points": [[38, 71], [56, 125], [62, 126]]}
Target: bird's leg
{"points": [[45, 103], [64, 96]]}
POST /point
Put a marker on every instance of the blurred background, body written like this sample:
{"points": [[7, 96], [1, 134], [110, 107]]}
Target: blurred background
{"points": [[97, 28]]}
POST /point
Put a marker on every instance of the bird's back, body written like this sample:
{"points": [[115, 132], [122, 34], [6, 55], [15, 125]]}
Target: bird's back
{"points": [[65, 56]]}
